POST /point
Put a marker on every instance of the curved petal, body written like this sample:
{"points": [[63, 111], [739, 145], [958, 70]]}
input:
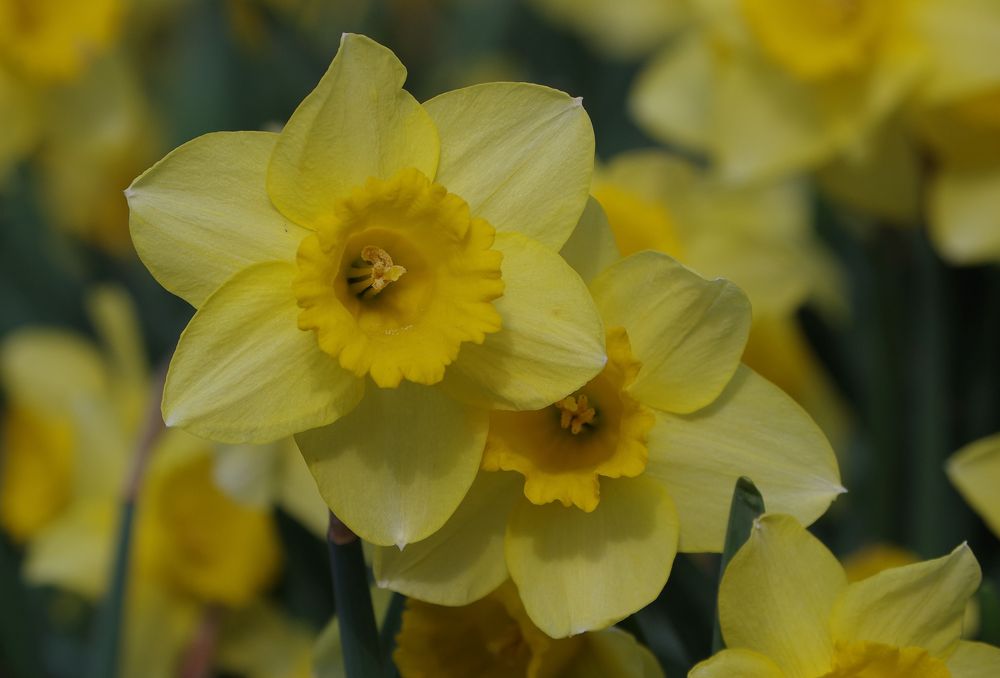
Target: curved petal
{"points": [[964, 209], [975, 471], [398, 466], [955, 36], [551, 342], [919, 605], [463, 561], [777, 594], [358, 123], [202, 213], [521, 155], [613, 652], [51, 369], [591, 248], [974, 660], [752, 430], [243, 372], [737, 663], [580, 571], [687, 332]]}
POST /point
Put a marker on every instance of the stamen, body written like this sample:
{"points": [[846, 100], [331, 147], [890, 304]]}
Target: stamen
{"points": [[575, 413], [367, 281]]}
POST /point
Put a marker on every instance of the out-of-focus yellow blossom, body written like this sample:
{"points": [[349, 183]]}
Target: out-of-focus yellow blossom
{"points": [[623, 29], [494, 637], [872, 559], [621, 474], [380, 272], [975, 471], [769, 88], [787, 611], [758, 237]]}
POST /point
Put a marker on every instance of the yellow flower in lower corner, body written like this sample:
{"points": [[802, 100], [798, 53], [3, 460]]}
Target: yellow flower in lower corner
{"points": [[494, 637], [787, 611], [620, 474], [375, 278], [975, 471]]}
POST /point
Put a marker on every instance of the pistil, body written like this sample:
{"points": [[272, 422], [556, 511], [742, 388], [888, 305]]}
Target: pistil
{"points": [[368, 281], [575, 413]]}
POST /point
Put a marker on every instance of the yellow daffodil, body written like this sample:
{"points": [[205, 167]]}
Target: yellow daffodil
{"points": [[381, 272], [767, 88], [787, 611], [622, 473], [494, 637], [975, 471]]}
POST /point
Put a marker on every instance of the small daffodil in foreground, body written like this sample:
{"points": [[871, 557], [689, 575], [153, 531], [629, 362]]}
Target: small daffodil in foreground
{"points": [[494, 637], [585, 502], [378, 275], [787, 611], [975, 471]]}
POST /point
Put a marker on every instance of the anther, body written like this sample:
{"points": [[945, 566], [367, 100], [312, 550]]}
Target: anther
{"points": [[367, 281], [575, 413]]}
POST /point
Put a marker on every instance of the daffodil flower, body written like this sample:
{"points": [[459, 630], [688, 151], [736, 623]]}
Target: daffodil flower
{"points": [[585, 503], [787, 611], [975, 471], [376, 275]]}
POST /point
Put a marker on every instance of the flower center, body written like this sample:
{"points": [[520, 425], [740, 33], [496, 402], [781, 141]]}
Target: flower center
{"points": [[575, 413], [874, 660], [367, 281], [564, 449], [398, 279], [820, 38]]}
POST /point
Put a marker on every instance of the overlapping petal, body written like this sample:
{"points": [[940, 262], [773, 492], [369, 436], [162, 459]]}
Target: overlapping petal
{"points": [[551, 341], [613, 652], [202, 214], [358, 123], [579, 571], [591, 248], [965, 214], [737, 663], [397, 467], [975, 471], [974, 660], [687, 332], [521, 155], [753, 429], [244, 372]]}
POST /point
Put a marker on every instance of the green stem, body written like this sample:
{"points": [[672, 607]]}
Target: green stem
{"points": [[747, 505]]}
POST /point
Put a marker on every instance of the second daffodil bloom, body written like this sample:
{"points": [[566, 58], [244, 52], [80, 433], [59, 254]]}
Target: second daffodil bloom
{"points": [[787, 611], [379, 274], [584, 503]]}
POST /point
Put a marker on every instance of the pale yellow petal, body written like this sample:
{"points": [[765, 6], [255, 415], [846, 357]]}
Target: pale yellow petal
{"points": [[974, 660], [19, 111], [262, 641], [463, 561], [965, 214], [578, 571], [244, 372], [521, 155], [50, 369], [592, 247], [919, 605], [613, 652], [297, 491], [159, 628], [551, 342], [738, 663], [687, 332], [396, 468], [777, 594], [752, 430], [975, 471], [202, 213], [358, 123], [959, 37]]}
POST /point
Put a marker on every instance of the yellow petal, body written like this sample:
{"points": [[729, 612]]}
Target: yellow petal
{"points": [[264, 642], [244, 372], [975, 471], [297, 491], [49, 370], [21, 122], [358, 123], [974, 660], [965, 214], [159, 630], [463, 561], [613, 652], [396, 468], [670, 99], [687, 332], [592, 247], [202, 213], [919, 605], [551, 342], [777, 595], [521, 155], [580, 571], [752, 430], [957, 35], [737, 663]]}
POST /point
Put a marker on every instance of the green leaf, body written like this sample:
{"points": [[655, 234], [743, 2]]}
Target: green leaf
{"points": [[746, 507]]}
